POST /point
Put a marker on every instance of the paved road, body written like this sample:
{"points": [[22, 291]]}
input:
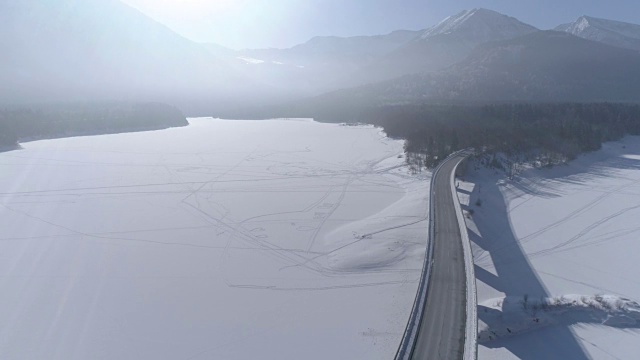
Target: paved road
{"points": [[442, 328]]}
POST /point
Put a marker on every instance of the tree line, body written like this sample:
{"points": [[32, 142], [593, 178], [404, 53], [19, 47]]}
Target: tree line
{"points": [[61, 120], [545, 133]]}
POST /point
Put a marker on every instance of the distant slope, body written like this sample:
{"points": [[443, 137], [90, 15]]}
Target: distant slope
{"points": [[326, 48], [65, 120], [330, 63], [610, 32], [546, 66], [322, 64], [61, 50], [447, 43], [543, 66]]}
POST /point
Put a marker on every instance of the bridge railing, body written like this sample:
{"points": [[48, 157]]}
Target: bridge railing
{"points": [[471, 324], [408, 342]]}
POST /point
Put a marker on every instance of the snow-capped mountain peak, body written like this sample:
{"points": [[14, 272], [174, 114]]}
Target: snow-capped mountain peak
{"points": [[611, 32], [585, 22], [479, 25]]}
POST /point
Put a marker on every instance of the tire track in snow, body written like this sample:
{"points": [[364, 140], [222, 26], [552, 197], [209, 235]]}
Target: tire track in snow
{"points": [[584, 232], [578, 211]]}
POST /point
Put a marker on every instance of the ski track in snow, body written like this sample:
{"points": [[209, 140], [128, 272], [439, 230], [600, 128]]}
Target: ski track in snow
{"points": [[224, 239]]}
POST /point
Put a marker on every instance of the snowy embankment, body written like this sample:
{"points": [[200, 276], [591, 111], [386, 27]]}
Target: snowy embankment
{"points": [[284, 239], [512, 316], [551, 232]]}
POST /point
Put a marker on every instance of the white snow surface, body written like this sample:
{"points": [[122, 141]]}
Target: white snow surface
{"points": [[550, 233], [250, 61], [512, 316], [281, 239]]}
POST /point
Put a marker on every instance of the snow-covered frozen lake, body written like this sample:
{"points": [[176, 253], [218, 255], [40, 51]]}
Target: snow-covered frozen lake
{"points": [[281, 239]]}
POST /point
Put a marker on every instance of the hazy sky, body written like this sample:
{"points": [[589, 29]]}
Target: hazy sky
{"points": [[283, 23]]}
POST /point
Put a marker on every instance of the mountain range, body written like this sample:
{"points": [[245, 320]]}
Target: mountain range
{"points": [[328, 63], [79, 50], [544, 66], [576, 62]]}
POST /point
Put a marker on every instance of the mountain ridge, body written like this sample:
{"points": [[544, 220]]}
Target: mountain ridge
{"points": [[612, 32], [545, 66], [448, 42], [493, 25]]}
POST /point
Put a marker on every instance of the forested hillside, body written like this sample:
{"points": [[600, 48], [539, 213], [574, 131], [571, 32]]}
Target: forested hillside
{"points": [[53, 121], [544, 133]]}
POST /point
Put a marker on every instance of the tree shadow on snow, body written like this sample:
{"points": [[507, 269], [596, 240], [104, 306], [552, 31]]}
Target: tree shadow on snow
{"points": [[585, 169], [515, 277], [507, 328]]}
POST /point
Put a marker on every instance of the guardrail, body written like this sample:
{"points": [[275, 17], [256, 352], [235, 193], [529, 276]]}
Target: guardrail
{"points": [[471, 327], [408, 343]]}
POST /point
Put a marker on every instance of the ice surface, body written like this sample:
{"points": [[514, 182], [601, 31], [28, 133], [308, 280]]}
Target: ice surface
{"points": [[283, 239], [250, 61]]}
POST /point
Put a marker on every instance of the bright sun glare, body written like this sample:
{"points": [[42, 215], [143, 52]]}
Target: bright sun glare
{"points": [[186, 8], [228, 22]]}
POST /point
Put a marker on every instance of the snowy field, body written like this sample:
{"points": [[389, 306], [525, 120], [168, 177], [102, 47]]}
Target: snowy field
{"points": [[568, 238], [283, 239]]}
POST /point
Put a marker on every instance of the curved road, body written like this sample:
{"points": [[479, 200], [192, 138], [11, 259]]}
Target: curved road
{"points": [[442, 328]]}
